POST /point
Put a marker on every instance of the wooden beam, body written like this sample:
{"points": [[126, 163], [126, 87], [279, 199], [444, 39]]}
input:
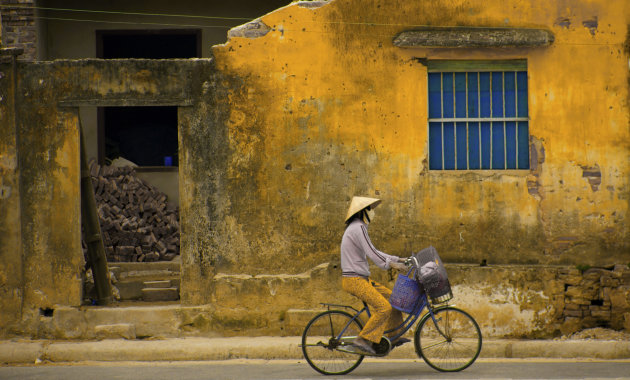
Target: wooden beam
{"points": [[466, 37], [125, 102]]}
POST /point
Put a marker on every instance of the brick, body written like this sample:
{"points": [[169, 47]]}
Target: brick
{"points": [[604, 294], [573, 313], [572, 306], [609, 281], [604, 314], [577, 301]]}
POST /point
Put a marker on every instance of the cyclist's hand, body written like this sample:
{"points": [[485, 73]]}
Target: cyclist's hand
{"points": [[398, 266]]}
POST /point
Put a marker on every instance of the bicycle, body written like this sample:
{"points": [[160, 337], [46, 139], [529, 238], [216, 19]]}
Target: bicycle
{"points": [[448, 339]]}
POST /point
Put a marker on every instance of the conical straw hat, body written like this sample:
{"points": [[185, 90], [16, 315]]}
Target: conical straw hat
{"points": [[359, 203]]}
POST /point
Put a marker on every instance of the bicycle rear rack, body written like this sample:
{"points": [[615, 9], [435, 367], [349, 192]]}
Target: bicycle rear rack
{"points": [[329, 305]]}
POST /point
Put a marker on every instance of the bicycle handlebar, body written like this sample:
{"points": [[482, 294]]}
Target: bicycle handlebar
{"points": [[411, 261]]}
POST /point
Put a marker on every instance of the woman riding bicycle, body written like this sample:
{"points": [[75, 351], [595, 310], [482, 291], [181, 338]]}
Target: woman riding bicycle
{"points": [[356, 247]]}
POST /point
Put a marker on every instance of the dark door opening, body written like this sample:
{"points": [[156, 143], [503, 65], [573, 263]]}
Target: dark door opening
{"points": [[146, 136]]}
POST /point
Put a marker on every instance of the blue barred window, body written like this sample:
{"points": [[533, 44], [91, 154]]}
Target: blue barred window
{"points": [[478, 120]]}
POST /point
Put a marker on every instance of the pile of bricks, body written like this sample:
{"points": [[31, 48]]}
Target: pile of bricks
{"points": [[597, 297], [137, 222]]}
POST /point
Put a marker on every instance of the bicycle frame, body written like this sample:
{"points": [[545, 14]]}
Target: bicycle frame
{"points": [[411, 319]]}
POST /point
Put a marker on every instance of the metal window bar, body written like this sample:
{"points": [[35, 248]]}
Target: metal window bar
{"points": [[442, 113], [467, 122], [479, 120], [455, 116], [516, 113], [479, 114], [491, 124], [504, 128]]}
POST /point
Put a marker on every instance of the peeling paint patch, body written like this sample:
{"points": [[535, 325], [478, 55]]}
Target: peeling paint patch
{"points": [[594, 176], [536, 159], [562, 22], [499, 308], [5, 191], [312, 4], [591, 25], [253, 29], [532, 188], [563, 243]]}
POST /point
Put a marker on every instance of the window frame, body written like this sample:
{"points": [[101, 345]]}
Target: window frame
{"points": [[476, 67]]}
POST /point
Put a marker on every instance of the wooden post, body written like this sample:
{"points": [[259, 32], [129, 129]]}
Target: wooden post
{"points": [[92, 230]]}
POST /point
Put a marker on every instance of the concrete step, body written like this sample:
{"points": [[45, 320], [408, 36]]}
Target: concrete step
{"points": [[160, 294], [131, 290], [145, 271], [131, 278], [147, 274], [115, 331], [158, 284], [142, 319]]}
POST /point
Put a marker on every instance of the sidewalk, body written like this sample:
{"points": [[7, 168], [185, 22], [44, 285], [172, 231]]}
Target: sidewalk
{"points": [[270, 348]]}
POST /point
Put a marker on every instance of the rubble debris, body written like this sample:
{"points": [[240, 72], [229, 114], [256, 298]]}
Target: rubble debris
{"points": [[597, 333], [137, 222]]}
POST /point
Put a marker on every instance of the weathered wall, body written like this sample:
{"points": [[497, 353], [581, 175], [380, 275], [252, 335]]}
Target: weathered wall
{"points": [[11, 275], [42, 259], [41, 246], [325, 107], [517, 301], [513, 301], [279, 131]]}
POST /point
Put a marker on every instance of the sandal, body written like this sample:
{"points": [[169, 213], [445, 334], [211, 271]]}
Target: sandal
{"points": [[364, 345]]}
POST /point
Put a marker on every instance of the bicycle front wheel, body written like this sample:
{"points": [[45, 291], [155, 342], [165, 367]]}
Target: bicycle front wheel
{"points": [[322, 347], [451, 343]]}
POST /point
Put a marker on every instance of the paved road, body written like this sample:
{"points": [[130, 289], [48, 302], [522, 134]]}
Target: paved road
{"points": [[285, 369]]}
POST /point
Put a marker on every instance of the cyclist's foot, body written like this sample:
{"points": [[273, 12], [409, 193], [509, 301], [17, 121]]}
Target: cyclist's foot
{"points": [[363, 345], [400, 342]]}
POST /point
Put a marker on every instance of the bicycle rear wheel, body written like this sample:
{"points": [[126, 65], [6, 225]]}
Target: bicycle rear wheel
{"points": [[450, 345], [321, 347]]}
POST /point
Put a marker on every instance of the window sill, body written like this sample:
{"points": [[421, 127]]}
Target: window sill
{"points": [[484, 173], [152, 169]]}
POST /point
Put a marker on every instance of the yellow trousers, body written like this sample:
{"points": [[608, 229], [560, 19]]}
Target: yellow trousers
{"points": [[384, 317]]}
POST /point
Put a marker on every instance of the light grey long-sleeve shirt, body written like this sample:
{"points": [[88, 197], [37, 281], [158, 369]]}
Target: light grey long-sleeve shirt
{"points": [[356, 247]]}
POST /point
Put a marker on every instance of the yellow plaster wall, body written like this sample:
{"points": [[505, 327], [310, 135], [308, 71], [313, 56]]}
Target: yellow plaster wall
{"points": [[11, 265], [333, 109]]}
